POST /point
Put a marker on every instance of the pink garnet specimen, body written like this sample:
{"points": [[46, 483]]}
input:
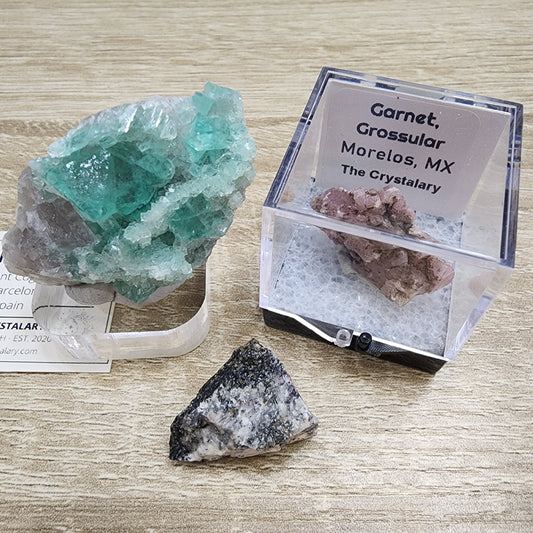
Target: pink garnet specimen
{"points": [[400, 274]]}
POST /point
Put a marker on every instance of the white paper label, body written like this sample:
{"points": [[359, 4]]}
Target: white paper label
{"points": [[435, 152], [24, 346]]}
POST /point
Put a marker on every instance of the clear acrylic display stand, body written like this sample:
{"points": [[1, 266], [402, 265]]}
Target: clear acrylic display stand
{"points": [[174, 326], [455, 157]]}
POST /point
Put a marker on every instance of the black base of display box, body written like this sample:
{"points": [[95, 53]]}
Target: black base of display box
{"points": [[362, 342]]}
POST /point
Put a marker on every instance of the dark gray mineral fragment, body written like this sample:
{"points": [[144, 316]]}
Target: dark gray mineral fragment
{"points": [[249, 407]]}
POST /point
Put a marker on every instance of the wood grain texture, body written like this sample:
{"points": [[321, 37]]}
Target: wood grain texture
{"points": [[397, 450]]}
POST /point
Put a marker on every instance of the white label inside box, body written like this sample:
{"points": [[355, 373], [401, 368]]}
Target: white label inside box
{"points": [[434, 151], [24, 346]]}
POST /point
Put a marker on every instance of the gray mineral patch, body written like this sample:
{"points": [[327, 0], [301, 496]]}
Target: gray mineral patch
{"points": [[250, 406]]}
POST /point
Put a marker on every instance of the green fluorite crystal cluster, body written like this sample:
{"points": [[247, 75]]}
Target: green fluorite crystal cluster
{"points": [[135, 196]]}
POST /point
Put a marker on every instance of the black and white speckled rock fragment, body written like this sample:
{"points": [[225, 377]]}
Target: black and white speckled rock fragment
{"points": [[249, 407]]}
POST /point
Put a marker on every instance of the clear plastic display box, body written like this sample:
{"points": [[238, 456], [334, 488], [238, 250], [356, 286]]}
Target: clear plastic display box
{"points": [[454, 158]]}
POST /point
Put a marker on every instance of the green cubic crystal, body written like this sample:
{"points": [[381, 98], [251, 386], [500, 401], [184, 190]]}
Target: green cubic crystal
{"points": [[135, 196]]}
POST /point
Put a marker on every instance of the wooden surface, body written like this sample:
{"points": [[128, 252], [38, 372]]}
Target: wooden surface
{"points": [[397, 450]]}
